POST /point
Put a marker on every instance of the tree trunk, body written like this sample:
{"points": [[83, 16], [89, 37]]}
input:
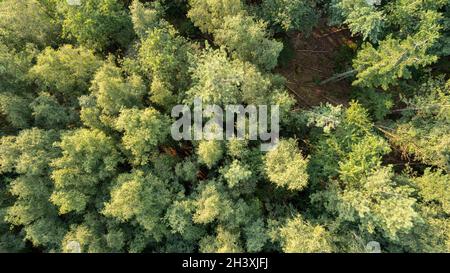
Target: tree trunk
{"points": [[339, 77]]}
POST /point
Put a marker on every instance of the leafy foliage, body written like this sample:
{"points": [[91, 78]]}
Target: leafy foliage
{"points": [[66, 71], [208, 15], [362, 17], [140, 197], [97, 24], [219, 80], [114, 93], [290, 15], [248, 40], [299, 236], [165, 55], [28, 21], [425, 128], [144, 130], [88, 158], [87, 163], [286, 167], [394, 58]]}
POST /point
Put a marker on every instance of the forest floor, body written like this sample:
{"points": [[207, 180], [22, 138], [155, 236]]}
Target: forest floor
{"points": [[314, 60]]}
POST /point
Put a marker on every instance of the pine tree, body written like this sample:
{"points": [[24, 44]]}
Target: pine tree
{"points": [[248, 40], [286, 166], [97, 24], [28, 21], [290, 15], [143, 131], [300, 236], [394, 58], [88, 158], [65, 72], [140, 197], [362, 17]]}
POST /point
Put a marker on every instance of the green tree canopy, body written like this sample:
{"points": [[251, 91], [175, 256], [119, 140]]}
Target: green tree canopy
{"points": [[139, 197], [248, 40], [208, 15], [290, 15], [286, 166], [143, 131], [97, 24], [300, 236], [66, 71], [88, 158], [28, 21]]}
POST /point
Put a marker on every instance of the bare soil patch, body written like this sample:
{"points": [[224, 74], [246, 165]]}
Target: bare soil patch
{"points": [[313, 62]]}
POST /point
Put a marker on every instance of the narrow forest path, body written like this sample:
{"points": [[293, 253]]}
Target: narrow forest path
{"points": [[314, 61]]}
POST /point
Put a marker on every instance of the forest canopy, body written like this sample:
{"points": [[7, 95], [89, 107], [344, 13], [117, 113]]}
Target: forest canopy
{"points": [[87, 161]]}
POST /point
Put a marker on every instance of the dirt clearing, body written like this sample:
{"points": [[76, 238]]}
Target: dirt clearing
{"points": [[314, 61]]}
